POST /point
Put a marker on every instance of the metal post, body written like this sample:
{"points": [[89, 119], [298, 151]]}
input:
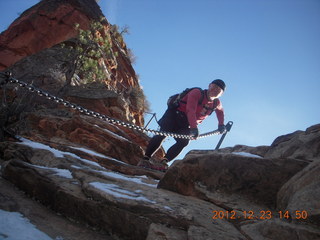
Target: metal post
{"points": [[153, 115], [228, 127]]}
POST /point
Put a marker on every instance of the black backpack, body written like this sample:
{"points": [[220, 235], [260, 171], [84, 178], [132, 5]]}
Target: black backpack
{"points": [[175, 100]]}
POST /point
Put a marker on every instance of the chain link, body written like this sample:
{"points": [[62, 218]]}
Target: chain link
{"points": [[40, 92]]}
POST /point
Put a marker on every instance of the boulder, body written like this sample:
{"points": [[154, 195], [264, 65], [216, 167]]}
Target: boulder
{"points": [[302, 194], [300, 145], [230, 176], [277, 229], [258, 150]]}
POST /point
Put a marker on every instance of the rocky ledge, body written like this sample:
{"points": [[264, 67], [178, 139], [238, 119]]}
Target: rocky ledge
{"points": [[221, 194], [75, 176]]}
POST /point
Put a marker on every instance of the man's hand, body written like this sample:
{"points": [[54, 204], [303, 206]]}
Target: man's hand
{"points": [[194, 132], [222, 128]]}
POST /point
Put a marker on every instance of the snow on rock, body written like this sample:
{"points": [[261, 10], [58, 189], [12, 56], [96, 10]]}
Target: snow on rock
{"points": [[37, 145], [117, 192], [113, 134], [136, 179], [97, 154], [61, 154], [58, 172], [14, 226], [246, 154]]}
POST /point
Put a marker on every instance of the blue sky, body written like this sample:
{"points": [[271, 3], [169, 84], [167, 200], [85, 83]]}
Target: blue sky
{"points": [[267, 52]]}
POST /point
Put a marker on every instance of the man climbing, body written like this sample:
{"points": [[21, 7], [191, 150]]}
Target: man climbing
{"points": [[183, 118]]}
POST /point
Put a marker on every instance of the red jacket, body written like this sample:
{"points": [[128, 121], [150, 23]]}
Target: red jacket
{"points": [[195, 112]]}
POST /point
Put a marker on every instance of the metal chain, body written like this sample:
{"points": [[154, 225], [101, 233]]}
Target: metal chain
{"points": [[40, 92]]}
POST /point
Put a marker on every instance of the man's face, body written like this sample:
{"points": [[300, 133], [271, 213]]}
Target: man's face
{"points": [[214, 91]]}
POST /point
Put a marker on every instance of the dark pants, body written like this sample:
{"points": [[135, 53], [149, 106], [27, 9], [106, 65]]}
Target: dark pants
{"points": [[175, 122]]}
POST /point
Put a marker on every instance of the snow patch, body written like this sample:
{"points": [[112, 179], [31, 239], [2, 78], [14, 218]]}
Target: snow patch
{"points": [[63, 173], [61, 154], [168, 208], [89, 162], [113, 134], [97, 154], [89, 152], [13, 226], [246, 154], [37, 145], [59, 172], [137, 180], [117, 192]]}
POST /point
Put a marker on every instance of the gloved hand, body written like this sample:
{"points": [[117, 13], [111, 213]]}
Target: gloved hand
{"points": [[222, 128], [194, 132]]}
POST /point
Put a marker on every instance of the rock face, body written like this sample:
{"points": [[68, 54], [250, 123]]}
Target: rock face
{"points": [[255, 179], [212, 194], [302, 193], [279, 184], [129, 206], [38, 118], [300, 145], [84, 168], [43, 26], [51, 22]]}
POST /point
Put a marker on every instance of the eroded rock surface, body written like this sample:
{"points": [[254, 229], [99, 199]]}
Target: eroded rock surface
{"points": [[84, 168], [122, 205]]}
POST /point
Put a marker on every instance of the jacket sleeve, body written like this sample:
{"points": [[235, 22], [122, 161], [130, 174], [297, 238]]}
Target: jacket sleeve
{"points": [[191, 107], [220, 113]]}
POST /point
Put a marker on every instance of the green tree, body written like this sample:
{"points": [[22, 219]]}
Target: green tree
{"points": [[90, 50]]}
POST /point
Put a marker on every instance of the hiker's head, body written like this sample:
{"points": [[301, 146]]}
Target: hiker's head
{"points": [[216, 88]]}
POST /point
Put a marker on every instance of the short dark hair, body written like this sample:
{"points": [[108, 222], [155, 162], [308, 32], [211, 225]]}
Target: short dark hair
{"points": [[219, 83]]}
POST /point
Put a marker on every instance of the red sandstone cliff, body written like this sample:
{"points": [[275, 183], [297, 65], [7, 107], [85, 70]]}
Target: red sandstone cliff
{"points": [[85, 169], [51, 22], [42, 26], [30, 49]]}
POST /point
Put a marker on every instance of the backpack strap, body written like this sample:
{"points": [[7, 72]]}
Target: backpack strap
{"points": [[178, 99], [215, 105], [185, 92]]}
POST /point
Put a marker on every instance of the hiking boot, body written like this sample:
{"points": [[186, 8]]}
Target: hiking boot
{"points": [[145, 162], [164, 163], [160, 166]]}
